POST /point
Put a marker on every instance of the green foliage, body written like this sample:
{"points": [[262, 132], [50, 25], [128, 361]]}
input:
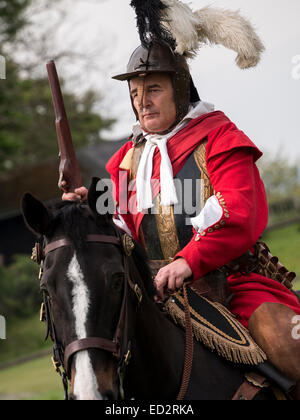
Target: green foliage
{"points": [[19, 289], [12, 17], [280, 178], [35, 380], [24, 337], [27, 121], [285, 244]]}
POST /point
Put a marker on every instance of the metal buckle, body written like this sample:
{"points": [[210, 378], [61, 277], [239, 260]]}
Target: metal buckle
{"points": [[127, 357], [43, 313], [37, 253], [56, 365], [63, 376], [138, 293], [41, 272], [260, 383], [128, 244]]}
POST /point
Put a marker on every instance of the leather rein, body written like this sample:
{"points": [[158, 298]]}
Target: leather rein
{"points": [[119, 346]]}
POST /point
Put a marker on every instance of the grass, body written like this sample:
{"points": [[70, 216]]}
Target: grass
{"points": [[285, 244], [35, 380], [24, 337], [279, 218]]}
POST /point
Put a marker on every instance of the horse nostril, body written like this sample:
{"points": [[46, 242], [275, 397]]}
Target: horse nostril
{"points": [[108, 395]]}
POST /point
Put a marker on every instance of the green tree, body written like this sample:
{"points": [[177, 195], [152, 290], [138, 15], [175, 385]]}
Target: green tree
{"points": [[280, 178], [27, 129], [19, 288], [12, 17]]}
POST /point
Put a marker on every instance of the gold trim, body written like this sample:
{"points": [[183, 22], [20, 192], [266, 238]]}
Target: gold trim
{"points": [[222, 222], [56, 364], [42, 312], [200, 158], [128, 244], [215, 339], [252, 381], [164, 215], [127, 161], [135, 160], [167, 231], [212, 327]]}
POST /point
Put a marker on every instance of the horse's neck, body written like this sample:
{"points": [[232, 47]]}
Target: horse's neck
{"points": [[158, 348]]}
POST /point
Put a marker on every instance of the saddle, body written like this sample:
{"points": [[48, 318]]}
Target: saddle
{"points": [[213, 324], [217, 328], [209, 298]]}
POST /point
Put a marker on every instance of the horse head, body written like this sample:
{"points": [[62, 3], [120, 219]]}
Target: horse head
{"points": [[91, 283]]}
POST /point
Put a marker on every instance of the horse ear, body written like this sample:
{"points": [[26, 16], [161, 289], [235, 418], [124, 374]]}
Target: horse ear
{"points": [[36, 216], [100, 198]]}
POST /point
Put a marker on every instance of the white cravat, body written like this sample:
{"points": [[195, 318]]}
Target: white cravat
{"points": [[144, 174], [145, 168]]}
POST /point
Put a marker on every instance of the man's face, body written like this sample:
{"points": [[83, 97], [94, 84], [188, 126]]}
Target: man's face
{"points": [[153, 99]]}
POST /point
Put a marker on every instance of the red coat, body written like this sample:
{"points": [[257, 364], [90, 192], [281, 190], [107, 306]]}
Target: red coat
{"points": [[230, 158]]}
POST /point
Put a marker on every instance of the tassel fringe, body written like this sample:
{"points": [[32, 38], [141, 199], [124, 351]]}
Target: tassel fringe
{"points": [[233, 352]]}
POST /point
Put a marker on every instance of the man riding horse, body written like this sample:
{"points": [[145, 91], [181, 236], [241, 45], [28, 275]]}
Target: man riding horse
{"points": [[178, 137]]}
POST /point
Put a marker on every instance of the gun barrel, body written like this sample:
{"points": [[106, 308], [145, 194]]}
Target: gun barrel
{"points": [[57, 97], [69, 171]]}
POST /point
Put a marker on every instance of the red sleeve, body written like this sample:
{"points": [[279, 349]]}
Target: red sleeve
{"points": [[241, 193], [114, 162], [112, 167], [120, 185]]}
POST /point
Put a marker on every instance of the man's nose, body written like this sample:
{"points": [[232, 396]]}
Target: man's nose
{"points": [[144, 101], [143, 97]]}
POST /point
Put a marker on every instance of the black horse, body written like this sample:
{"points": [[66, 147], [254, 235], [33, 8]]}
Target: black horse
{"points": [[101, 310]]}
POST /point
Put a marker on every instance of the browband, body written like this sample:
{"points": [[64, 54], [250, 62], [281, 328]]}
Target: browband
{"points": [[90, 238]]}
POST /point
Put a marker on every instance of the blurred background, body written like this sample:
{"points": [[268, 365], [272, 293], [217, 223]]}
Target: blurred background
{"points": [[91, 40]]}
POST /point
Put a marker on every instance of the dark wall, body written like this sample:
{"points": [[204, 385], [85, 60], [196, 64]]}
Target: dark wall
{"points": [[15, 238]]}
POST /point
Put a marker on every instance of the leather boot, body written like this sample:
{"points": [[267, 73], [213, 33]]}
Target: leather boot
{"points": [[272, 327]]}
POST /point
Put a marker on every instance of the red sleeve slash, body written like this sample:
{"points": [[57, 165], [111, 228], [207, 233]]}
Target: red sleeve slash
{"points": [[241, 193]]}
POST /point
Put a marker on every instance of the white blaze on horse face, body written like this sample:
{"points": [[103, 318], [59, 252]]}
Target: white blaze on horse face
{"points": [[85, 384]]}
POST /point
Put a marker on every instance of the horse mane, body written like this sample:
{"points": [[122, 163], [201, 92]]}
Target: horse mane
{"points": [[70, 215]]}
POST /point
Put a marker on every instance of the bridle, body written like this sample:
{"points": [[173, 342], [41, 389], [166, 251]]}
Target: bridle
{"points": [[120, 345]]}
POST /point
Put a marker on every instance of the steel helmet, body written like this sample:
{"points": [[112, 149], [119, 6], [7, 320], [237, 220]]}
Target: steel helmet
{"points": [[158, 57]]}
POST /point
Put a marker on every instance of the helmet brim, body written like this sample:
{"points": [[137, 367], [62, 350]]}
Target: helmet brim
{"points": [[128, 76]]}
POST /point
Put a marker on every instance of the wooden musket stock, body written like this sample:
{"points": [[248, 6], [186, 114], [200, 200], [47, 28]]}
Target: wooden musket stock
{"points": [[69, 170]]}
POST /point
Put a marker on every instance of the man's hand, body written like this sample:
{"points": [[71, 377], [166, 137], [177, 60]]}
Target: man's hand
{"points": [[172, 276], [80, 194]]}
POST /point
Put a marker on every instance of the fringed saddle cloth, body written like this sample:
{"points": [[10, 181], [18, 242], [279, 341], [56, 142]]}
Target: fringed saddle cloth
{"points": [[215, 327]]}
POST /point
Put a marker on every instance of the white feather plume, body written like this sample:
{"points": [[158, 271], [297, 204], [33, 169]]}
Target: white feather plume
{"points": [[212, 26], [181, 22], [231, 30]]}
